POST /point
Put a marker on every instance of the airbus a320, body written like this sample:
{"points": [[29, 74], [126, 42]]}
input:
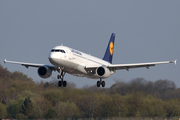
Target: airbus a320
{"points": [[68, 60]]}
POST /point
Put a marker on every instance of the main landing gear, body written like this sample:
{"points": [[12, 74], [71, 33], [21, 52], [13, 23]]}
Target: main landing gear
{"points": [[100, 83], [61, 76]]}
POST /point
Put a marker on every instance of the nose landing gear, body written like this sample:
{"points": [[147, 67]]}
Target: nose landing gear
{"points": [[100, 83], [61, 76]]}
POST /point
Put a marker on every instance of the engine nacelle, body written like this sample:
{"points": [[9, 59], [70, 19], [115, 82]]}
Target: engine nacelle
{"points": [[103, 72], [44, 72]]}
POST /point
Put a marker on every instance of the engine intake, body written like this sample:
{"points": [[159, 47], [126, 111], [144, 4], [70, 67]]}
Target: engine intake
{"points": [[100, 71], [103, 72], [44, 72]]}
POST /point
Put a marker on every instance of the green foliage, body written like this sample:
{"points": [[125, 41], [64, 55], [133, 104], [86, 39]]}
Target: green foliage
{"points": [[164, 89], [20, 75], [15, 107], [3, 111], [21, 116], [27, 108], [51, 114], [106, 106], [172, 107], [67, 110], [22, 98], [53, 95], [89, 106], [120, 105], [4, 72]]}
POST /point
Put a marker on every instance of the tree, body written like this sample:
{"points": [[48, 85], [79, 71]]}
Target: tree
{"points": [[51, 114], [27, 108], [67, 110], [3, 111], [53, 95], [120, 105], [88, 105], [21, 116], [134, 102], [106, 108], [19, 75], [172, 107], [15, 107], [41, 106], [4, 72]]}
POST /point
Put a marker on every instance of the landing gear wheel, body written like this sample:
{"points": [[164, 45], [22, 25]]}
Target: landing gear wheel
{"points": [[59, 83], [61, 76], [103, 83], [98, 83], [64, 83]]}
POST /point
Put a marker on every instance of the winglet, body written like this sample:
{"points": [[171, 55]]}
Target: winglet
{"points": [[175, 62], [4, 61]]}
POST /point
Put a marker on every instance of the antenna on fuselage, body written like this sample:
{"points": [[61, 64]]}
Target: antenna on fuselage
{"points": [[61, 44]]}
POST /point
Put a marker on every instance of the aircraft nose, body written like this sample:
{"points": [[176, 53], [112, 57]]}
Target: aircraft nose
{"points": [[52, 57]]}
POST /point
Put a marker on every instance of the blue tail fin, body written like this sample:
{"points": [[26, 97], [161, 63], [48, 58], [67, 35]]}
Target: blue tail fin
{"points": [[109, 51]]}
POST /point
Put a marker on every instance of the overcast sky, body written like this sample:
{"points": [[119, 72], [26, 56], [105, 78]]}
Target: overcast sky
{"points": [[146, 31]]}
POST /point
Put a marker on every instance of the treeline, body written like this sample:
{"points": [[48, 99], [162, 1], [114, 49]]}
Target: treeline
{"points": [[163, 89], [22, 98]]}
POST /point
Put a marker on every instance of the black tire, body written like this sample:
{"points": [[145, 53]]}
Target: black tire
{"points": [[98, 83], [64, 83], [59, 83], [103, 83]]}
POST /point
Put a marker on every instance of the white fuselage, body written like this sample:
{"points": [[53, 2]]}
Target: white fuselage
{"points": [[74, 62]]}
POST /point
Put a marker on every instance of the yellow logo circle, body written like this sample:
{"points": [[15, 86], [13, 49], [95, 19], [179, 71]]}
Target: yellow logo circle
{"points": [[111, 47]]}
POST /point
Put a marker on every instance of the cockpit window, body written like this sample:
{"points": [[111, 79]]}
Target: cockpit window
{"points": [[58, 50], [52, 50]]}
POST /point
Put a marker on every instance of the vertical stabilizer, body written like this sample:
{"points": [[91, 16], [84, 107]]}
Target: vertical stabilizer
{"points": [[109, 51]]}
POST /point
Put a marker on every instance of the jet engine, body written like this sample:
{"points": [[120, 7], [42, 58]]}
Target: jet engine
{"points": [[103, 72], [44, 72]]}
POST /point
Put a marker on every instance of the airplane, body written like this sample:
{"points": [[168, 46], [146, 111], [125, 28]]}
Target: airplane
{"points": [[68, 60]]}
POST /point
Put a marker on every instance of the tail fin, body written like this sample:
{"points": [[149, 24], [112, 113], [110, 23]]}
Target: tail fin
{"points": [[109, 51]]}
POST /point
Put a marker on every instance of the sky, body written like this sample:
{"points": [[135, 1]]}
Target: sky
{"points": [[146, 31]]}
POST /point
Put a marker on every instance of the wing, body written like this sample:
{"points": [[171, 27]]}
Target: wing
{"points": [[136, 65], [31, 64], [114, 67]]}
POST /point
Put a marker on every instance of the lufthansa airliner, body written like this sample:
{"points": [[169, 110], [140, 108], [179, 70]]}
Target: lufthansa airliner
{"points": [[68, 60]]}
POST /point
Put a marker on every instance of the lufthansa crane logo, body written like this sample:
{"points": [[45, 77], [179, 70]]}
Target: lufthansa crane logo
{"points": [[111, 47]]}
